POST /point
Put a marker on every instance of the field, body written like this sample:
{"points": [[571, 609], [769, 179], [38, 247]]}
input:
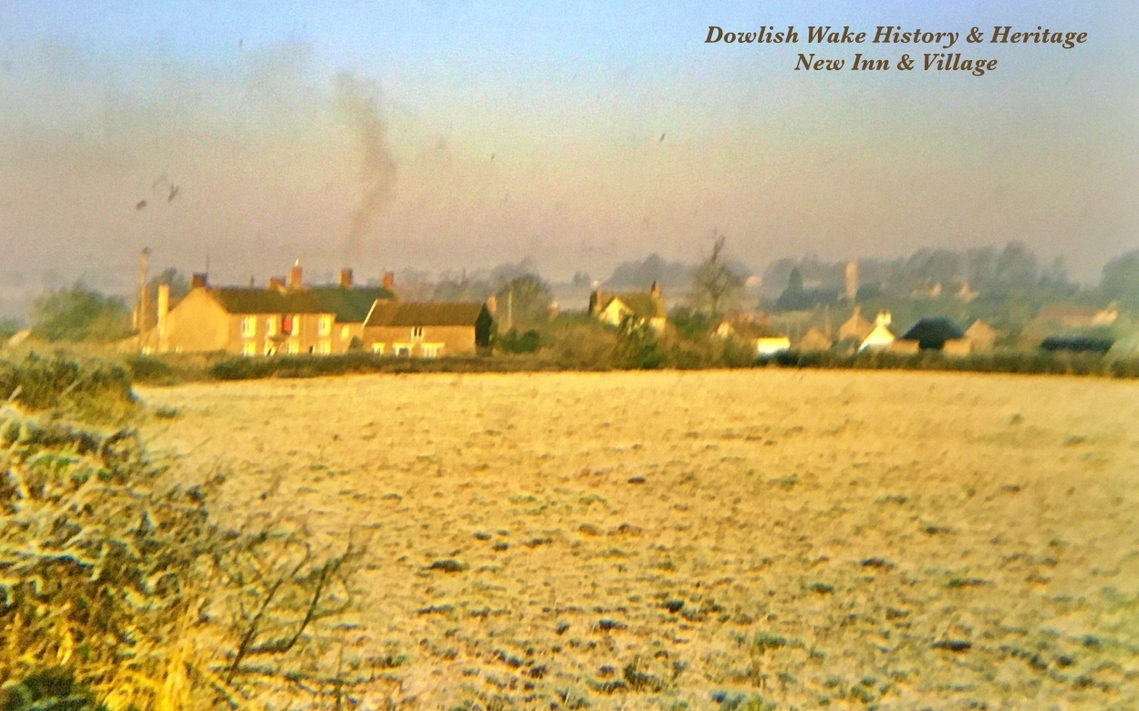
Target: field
{"points": [[725, 539]]}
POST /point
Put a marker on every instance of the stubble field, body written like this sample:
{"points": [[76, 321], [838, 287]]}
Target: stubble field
{"points": [[742, 539]]}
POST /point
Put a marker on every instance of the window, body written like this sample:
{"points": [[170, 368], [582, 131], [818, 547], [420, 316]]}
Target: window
{"points": [[248, 327], [270, 348], [324, 326], [402, 350], [431, 350], [378, 348], [294, 348], [324, 347], [344, 333], [287, 324], [248, 349], [271, 326], [417, 333]]}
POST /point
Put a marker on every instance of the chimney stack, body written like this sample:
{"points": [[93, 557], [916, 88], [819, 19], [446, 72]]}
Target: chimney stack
{"points": [[198, 281], [295, 275], [389, 281], [163, 310], [346, 278]]}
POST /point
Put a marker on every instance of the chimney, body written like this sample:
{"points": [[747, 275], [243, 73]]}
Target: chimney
{"points": [[883, 318], [295, 275], [346, 278], [277, 284], [198, 281], [655, 290], [163, 310], [389, 281], [492, 304], [595, 302]]}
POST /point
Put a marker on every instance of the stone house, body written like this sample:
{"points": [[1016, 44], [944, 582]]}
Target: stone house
{"points": [[642, 307], [426, 329]]}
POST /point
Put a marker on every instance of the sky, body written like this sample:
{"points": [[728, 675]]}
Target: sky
{"points": [[458, 135]]}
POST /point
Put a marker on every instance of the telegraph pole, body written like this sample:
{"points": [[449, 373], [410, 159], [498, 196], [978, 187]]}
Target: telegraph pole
{"points": [[140, 318]]}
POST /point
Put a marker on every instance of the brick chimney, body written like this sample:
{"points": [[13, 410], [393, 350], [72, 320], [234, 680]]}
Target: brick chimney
{"points": [[295, 275], [389, 281], [346, 278], [198, 281]]}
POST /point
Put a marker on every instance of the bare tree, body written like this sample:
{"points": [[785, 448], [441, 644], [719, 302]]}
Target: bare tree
{"points": [[715, 286]]}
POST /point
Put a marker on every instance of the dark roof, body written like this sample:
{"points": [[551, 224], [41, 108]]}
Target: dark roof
{"points": [[933, 332], [642, 304], [423, 313], [754, 329], [267, 301], [350, 305]]}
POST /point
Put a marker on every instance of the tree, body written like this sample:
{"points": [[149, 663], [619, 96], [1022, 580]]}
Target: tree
{"points": [[1121, 278], [715, 286], [525, 299], [78, 313]]}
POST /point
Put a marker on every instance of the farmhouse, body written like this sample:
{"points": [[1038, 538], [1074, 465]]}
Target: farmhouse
{"points": [[426, 329], [641, 307], [246, 321]]}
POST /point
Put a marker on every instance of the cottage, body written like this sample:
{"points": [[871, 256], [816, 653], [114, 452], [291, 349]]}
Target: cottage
{"points": [[855, 328], [244, 321], [880, 337], [765, 339], [426, 329], [815, 339], [936, 333], [981, 336], [641, 307]]}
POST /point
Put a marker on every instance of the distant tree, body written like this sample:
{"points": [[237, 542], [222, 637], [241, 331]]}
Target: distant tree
{"points": [[8, 327], [715, 285], [78, 313], [1121, 279], [1017, 266], [581, 279], [639, 275], [524, 300], [176, 280]]}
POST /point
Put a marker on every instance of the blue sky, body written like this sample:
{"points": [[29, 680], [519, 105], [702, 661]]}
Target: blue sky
{"points": [[535, 130]]}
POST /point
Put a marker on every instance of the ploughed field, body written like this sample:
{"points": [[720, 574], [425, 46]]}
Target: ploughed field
{"points": [[712, 539]]}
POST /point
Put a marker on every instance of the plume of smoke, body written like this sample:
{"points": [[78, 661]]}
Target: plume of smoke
{"points": [[357, 102]]}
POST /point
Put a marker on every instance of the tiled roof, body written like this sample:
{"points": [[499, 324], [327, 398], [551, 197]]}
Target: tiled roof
{"points": [[266, 301], [350, 305], [423, 313], [641, 304]]}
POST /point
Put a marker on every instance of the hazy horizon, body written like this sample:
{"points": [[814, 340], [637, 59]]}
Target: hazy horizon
{"points": [[444, 136]]}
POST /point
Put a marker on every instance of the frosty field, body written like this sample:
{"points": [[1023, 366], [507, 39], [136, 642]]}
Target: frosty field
{"points": [[725, 539]]}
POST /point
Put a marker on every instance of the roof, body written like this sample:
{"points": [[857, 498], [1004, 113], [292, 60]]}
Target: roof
{"points": [[855, 326], [753, 329], [423, 313], [640, 303], [351, 305], [933, 332], [980, 329], [238, 300]]}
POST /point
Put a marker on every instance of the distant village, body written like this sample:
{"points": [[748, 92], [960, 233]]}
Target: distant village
{"points": [[288, 315]]}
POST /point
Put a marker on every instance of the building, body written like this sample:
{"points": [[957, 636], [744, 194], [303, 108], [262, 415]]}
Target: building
{"points": [[641, 307], [350, 304], [937, 333], [765, 339], [426, 329], [880, 337], [981, 336], [855, 328], [245, 321], [815, 339]]}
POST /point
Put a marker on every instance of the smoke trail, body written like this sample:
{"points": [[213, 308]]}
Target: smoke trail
{"points": [[357, 101]]}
